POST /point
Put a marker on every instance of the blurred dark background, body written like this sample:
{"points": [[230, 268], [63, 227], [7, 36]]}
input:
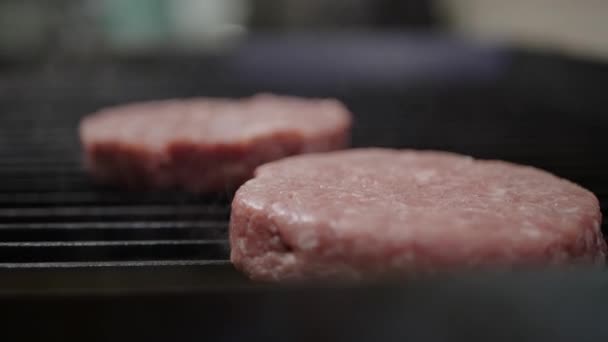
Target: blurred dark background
{"points": [[554, 48], [38, 29], [89, 29]]}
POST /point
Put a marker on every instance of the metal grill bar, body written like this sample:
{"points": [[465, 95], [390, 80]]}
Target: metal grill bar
{"points": [[107, 214], [41, 168], [108, 243], [113, 231], [115, 225], [73, 162], [94, 264], [110, 211], [108, 197], [56, 184], [85, 251]]}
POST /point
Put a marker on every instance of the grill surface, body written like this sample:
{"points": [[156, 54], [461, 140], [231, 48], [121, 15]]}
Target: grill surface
{"points": [[53, 216]]}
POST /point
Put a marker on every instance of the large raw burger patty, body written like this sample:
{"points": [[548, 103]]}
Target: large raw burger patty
{"points": [[370, 212], [207, 144]]}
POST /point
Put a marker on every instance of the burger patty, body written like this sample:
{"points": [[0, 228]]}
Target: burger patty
{"points": [[370, 212], [206, 145]]}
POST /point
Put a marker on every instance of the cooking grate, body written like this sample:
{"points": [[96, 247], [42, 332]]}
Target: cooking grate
{"points": [[52, 215]]}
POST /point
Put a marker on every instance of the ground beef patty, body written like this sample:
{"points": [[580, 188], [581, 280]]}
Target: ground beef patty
{"points": [[207, 144], [374, 211]]}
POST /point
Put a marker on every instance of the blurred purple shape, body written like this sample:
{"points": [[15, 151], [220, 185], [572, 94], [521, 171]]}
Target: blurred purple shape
{"points": [[364, 60]]}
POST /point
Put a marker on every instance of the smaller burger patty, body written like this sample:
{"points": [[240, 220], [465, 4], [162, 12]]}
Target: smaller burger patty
{"points": [[206, 145], [371, 212]]}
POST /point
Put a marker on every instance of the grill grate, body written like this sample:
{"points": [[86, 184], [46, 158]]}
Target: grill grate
{"points": [[53, 216]]}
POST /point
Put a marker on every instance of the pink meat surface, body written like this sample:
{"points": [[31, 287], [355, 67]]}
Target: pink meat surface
{"points": [[204, 144], [371, 212]]}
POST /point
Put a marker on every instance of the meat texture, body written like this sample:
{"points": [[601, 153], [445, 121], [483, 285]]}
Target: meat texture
{"points": [[372, 212], [206, 145]]}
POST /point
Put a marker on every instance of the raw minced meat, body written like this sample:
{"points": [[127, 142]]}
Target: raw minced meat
{"points": [[369, 212], [205, 144]]}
